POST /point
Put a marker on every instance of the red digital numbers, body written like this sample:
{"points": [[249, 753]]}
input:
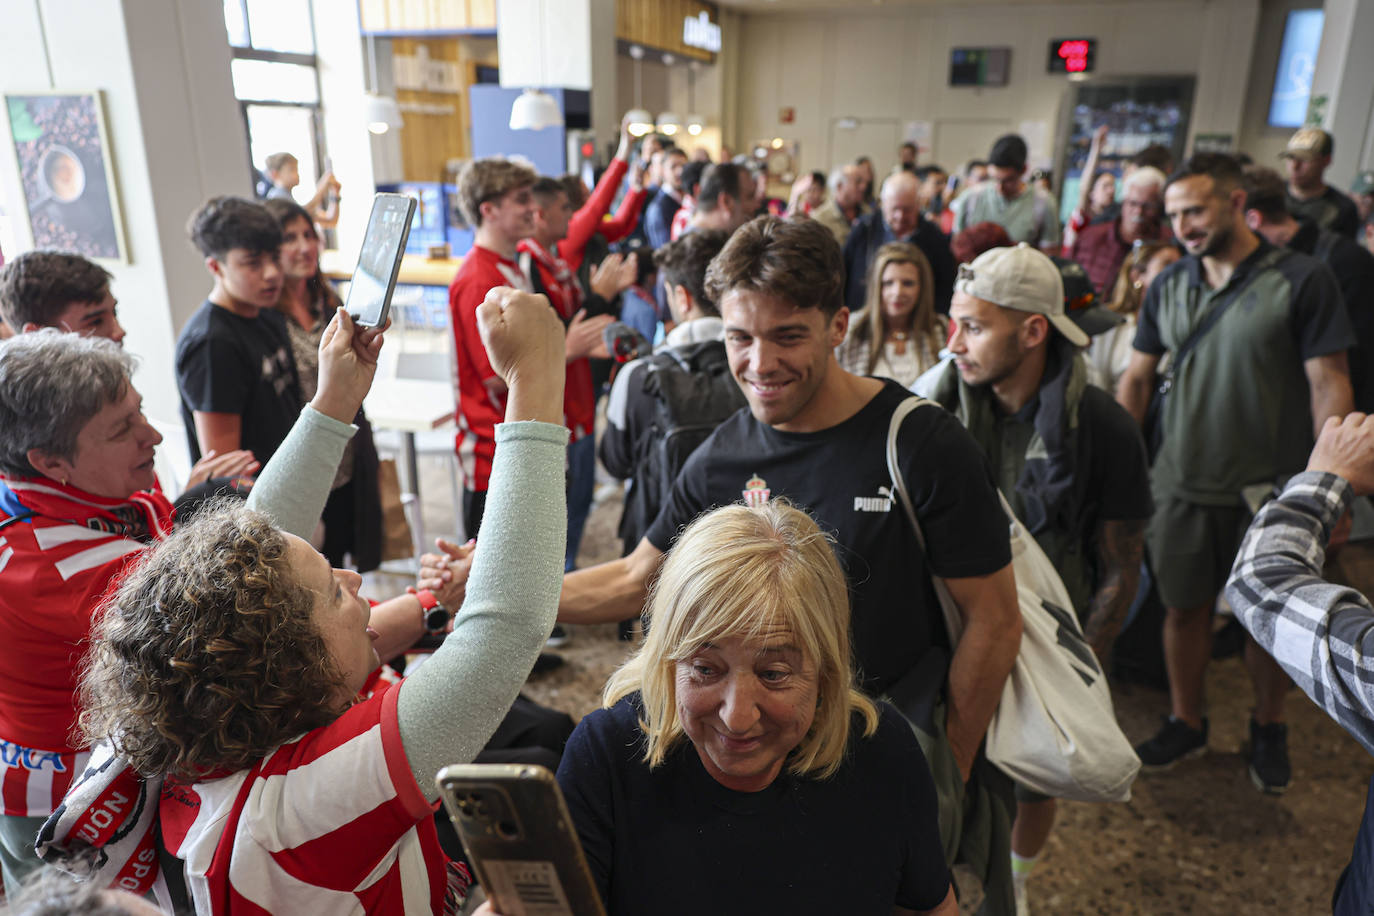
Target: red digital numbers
{"points": [[1074, 55]]}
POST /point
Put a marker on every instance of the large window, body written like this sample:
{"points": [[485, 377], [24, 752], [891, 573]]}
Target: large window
{"points": [[276, 83]]}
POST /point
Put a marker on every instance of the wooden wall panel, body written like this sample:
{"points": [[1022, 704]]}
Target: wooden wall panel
{"points": [[431, 138], [421, 15], [658, 24]]}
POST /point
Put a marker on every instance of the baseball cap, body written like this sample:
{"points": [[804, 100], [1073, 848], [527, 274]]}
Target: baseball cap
{"points": [[1080, 299], [1020, 278], [1308, 143], [1363, 183]]}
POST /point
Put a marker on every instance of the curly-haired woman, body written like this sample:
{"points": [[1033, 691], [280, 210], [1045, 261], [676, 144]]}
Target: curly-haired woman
{"points": [[79, 503], [229, 664]]}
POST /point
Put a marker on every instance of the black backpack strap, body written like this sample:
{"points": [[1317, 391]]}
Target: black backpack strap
{"points": [[1210, 320], [15, 518]]}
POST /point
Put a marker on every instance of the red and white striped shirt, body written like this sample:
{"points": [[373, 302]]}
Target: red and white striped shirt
{"points": [[332, 822], [56, 567]]}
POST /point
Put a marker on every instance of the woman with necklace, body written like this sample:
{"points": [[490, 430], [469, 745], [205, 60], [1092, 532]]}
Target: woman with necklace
{"points": [[353, 515], [896, 334]]}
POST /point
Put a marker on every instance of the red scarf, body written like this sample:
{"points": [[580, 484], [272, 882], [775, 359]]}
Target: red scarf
{"points": [[143, 516], [565, 284]]}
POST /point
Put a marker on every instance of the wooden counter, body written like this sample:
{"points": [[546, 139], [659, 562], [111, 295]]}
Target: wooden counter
{"points": [[415, 268]]}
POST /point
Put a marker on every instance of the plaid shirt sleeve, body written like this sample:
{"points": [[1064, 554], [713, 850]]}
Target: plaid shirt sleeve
{"points": [[1321, 633]]}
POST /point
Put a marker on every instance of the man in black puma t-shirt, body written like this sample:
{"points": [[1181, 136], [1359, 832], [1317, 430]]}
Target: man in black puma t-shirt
{"points": [[817, 435]]}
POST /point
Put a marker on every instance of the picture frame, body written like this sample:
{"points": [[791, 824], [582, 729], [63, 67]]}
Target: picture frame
{"points": [[67, 174]]}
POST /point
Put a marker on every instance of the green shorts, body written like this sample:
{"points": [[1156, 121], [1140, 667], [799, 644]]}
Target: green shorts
{"points": [[1192, 548]]}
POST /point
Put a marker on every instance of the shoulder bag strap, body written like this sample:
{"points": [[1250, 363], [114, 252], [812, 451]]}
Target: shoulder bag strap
{"points": [[954, 621], [1210, 321]]}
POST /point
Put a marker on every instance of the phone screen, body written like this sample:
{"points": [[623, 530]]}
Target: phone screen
{"points": [[374, 279]]}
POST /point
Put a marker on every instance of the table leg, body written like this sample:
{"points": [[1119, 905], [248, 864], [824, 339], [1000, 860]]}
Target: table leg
{"points": [[410, 494]]}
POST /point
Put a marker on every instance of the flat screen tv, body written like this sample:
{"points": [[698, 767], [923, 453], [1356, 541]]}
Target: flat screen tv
{"points": [[979, 66]]}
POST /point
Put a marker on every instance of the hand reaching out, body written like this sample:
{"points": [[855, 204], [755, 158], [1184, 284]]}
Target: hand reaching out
{"points": [[446, 573], [614, 275], [1346, 448], [238, 463], [348, 362], [584, 337]]}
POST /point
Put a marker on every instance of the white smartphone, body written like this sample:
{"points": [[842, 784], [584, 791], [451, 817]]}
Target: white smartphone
{"points": [[379, 262]]}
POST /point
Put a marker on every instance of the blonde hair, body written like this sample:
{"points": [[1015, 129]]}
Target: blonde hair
{"points": [[1126, 299], [869, 322], [742, 571]]}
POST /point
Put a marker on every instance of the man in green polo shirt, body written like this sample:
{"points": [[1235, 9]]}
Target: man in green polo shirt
{"points": [[1242, 413]]}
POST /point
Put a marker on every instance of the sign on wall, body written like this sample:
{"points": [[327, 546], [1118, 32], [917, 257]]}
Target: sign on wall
{"points": [[700, 32]]}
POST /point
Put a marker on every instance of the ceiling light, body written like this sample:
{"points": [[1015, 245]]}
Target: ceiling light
{"points": [[695, 123], [777, 143], [535, 110], [641, 122], [669, 123], [381, 113]]}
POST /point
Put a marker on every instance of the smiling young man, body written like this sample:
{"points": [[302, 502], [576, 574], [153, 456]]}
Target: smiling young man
{"points": [[1241, 415], [53, 289], [496, 197], [234, 366], [816, 435]]}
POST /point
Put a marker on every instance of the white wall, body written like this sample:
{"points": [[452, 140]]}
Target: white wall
{"points": [[889, 67], [176, 138]]}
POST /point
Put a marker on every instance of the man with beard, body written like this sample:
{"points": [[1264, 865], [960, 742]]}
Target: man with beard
{"points": [[1258, 338], [1101, 247], [1067, 457]]}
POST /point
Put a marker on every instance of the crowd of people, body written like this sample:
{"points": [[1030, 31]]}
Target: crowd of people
{"points": [[209, 712]]}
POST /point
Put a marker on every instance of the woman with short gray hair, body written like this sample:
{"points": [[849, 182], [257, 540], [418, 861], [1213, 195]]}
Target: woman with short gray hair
{"points": [[79, 502]]}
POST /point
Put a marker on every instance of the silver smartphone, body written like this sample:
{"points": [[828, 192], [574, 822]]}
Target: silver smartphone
{"points": [[379, 262], [517, 831]]}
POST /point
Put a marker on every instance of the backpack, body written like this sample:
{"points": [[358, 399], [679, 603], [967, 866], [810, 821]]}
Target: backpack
{"points": [[693, 393]]}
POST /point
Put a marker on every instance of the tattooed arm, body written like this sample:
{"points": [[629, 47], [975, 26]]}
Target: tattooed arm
{"points": [[1119, 547]]}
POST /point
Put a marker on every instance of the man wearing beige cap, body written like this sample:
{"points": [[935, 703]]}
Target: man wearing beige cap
{"points": [[1068, 458], [1307, 157]]}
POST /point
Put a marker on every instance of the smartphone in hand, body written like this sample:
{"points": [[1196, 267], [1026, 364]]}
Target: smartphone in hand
{"points": [[379, 262], [517, 831]]}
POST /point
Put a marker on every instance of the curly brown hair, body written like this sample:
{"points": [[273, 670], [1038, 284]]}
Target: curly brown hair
{"points": [[208, 657]]}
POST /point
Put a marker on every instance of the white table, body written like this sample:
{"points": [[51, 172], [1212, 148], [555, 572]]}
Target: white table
{"points": [[410, 406]]}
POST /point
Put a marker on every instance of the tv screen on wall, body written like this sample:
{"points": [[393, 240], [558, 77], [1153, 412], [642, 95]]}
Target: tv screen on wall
{"points": [[979, 66], [1302, 34]]}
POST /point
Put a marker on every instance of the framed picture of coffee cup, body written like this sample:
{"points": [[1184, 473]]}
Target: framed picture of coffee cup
{"points": [[67, 175]]}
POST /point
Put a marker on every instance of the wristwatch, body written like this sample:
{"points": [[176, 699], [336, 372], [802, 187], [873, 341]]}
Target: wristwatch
{"points": [[436, 616]]}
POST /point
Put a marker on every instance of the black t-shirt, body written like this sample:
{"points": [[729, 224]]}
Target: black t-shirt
{"points": [[674, 841], [1111, 482], [840, 476], [230, 364], [1354, 270], [1330, 210]]}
